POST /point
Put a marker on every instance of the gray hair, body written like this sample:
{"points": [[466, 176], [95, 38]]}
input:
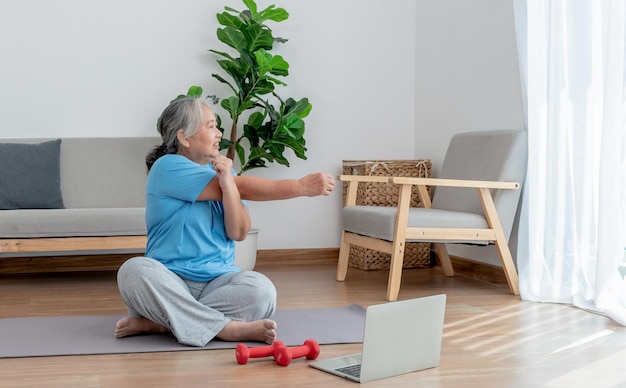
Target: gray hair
{"points": [[183, 113]]}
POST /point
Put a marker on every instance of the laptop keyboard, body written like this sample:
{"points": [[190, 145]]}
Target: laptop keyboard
{"points": [[351, 370]]}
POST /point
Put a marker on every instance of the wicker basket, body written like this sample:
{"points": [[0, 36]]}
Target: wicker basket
{"points": [[416, 255]]}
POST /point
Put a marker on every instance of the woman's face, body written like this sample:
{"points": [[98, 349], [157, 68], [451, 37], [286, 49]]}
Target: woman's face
{"points": [[204, 145]]}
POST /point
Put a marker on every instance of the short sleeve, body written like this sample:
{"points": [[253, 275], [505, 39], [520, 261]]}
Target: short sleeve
{"points": [[178, 177]]}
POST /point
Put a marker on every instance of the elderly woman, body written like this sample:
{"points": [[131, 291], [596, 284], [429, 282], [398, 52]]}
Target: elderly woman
{"points": [[195, 209]]}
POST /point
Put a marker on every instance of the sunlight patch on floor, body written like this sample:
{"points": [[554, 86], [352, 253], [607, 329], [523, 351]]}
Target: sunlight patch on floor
{"points": [[610, 369], [584, 341]]}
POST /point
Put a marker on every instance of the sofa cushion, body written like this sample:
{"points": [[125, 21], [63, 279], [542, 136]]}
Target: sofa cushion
{"points": [[30, 176], [30, 223]]}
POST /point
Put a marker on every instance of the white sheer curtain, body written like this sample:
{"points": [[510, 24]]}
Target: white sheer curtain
{"points": [[573, 224]]}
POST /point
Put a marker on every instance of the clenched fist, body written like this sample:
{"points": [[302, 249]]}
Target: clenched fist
{"points": [[315, 184]]}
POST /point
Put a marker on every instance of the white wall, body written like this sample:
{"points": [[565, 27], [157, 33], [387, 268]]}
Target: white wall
{"points": [[96, 68], [467, 75], [467, 79], [387, 80]]}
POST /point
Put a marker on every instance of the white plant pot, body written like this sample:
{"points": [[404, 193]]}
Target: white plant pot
{"points": [[245, 251]]}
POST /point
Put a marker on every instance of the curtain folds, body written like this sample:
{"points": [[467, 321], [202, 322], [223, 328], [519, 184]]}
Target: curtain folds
{"points": [[572, 231]]}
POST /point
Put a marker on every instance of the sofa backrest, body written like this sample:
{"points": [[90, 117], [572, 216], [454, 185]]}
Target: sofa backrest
{"points": [[100, 172], [104, 172]]}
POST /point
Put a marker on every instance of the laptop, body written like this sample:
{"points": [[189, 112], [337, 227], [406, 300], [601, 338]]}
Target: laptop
{"points": [[399, 337]]}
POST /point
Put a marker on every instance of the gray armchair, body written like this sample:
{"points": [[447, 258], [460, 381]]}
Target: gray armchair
{"points": [[475, 201]]}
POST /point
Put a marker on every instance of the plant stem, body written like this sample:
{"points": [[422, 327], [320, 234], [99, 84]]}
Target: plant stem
{"points": [[233, 137]]}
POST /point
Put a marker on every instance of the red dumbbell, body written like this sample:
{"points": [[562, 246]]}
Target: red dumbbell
{"points": [[243, 353], [283, 355]]}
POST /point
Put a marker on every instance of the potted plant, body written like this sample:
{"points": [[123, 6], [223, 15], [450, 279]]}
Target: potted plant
{"points": [[272, 124], [263, 125]]}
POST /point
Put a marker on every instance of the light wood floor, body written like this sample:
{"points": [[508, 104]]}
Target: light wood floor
{"points": [[491, 338]]}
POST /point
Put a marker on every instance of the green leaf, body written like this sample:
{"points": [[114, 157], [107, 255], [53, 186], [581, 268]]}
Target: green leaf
{"points": [[283, 132], [268, 63], [223, 54], [263, 61], [258, 37], [227, 19], [194, 91], [277, 150], [279, 66], [302, 108], [237, 70], [241, 153], [218, 119], [252, 135], [256, 120], [305, 112], [269, 13], [294, 125], [225, 143], [232, 37], [296, 147], [263, 87], [259, 153], [257, 159], [221, 79], [251, 165], [231, 104], [248, 59], [275, 81], [247, 104], [246, 16], [251, 5]]}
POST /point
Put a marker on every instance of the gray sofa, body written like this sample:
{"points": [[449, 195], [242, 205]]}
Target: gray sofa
{"points": [[84, 195]]}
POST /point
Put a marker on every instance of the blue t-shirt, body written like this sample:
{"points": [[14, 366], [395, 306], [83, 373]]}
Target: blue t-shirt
{"points": [[186, 235]]}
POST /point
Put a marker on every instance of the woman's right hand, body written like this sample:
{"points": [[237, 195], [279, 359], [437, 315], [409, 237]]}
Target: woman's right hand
{"points": [[223, 166]]}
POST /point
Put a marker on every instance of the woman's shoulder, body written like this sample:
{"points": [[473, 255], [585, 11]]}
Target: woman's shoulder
{"points": [[179, 165], [170, 158], [180, 160], [171, 161]]}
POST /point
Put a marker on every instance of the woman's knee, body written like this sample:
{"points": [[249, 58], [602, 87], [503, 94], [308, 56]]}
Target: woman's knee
{"points": [[265, 294], [264, 287], [131, 269], [140, 270]]}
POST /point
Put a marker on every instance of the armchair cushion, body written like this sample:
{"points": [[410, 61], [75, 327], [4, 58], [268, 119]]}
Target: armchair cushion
{"points": [[30, 176], [379, 221]]}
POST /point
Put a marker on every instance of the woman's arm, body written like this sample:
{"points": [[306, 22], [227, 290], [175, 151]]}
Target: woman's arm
{"points": [[236, 217], [262, 189]]}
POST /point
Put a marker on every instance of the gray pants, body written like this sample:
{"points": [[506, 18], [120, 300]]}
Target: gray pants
{"points": [[195, 312]]}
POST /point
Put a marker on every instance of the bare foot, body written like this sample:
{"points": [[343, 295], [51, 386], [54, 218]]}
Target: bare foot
{"points": [[263, 330], [128, 326]]}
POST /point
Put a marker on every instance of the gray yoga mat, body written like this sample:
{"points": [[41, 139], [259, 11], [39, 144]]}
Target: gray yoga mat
{"points": [[75, 335]]}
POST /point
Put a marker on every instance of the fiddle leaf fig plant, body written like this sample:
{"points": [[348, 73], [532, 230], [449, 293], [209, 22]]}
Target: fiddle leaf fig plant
{"points": [[271, 124]]}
